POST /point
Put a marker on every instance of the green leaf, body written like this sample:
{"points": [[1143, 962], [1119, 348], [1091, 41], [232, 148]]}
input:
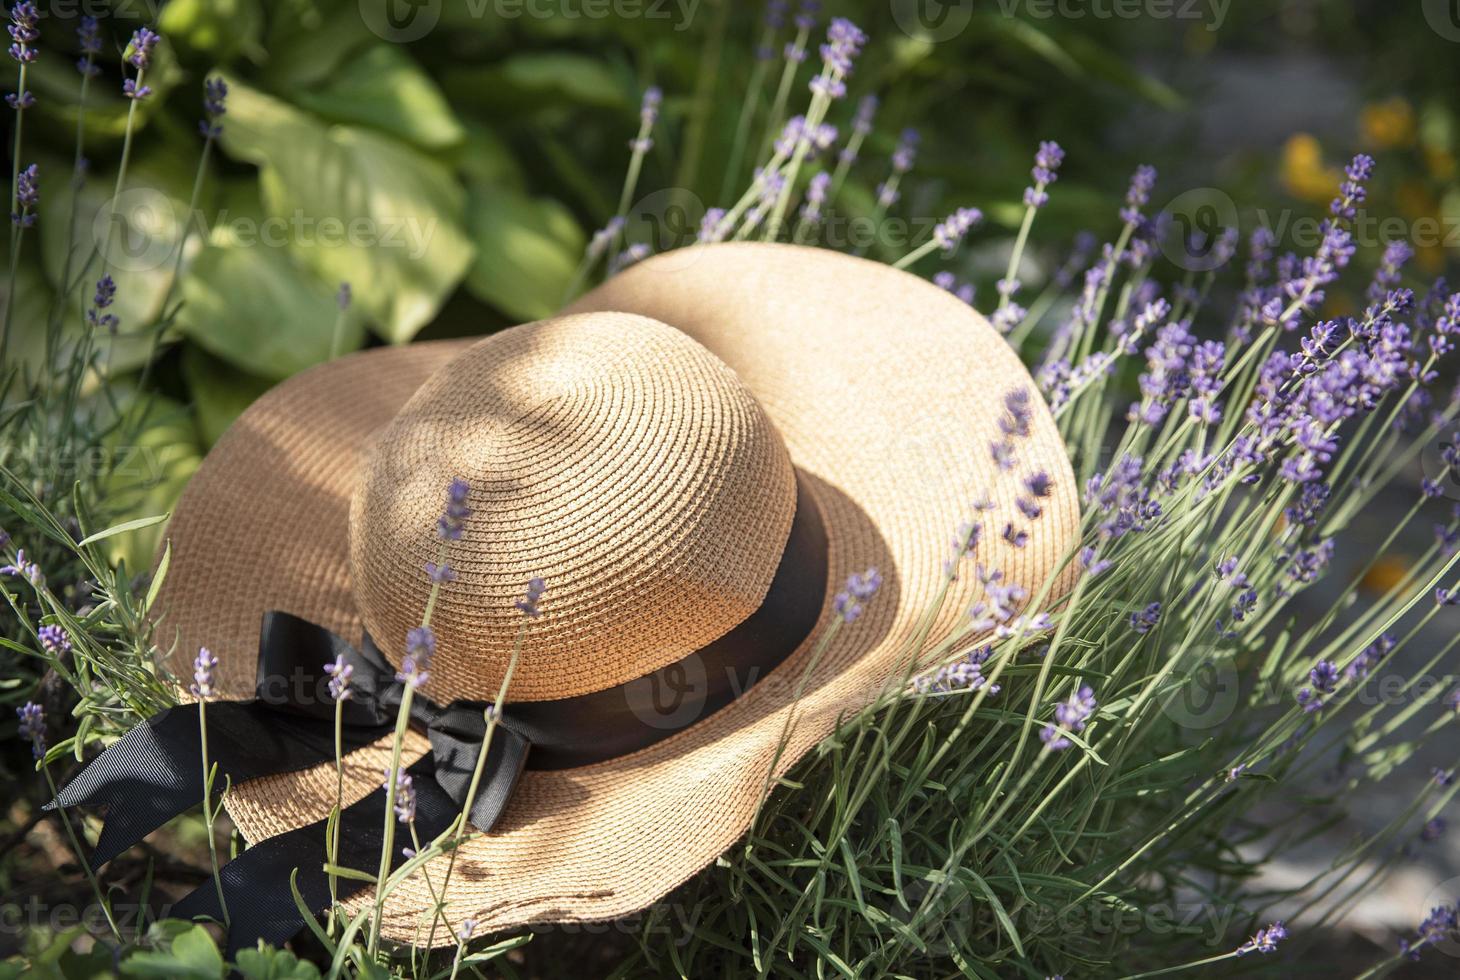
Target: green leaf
{"points": [[192, 954], [217, 28], [528, 250], [382, 87], [267, 963], [260, 309], [219, 392], [122, 528], [362, 208], [540, 80]]}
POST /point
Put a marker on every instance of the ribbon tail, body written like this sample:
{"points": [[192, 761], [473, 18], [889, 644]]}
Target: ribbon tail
{"points": [[155, 771], [456, 759], [147, 777], [256, 883]]}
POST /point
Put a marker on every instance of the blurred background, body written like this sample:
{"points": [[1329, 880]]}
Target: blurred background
{"points": [[447, 163]]}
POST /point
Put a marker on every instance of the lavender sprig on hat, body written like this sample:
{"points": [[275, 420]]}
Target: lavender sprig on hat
{"points": [[527, 605], [405, 795], [453, 521], [860, 587], [420, 648], [340, 673], [203, 666]]}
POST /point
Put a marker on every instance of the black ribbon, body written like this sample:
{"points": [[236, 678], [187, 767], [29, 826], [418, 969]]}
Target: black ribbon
{"points": [[155, 771]]}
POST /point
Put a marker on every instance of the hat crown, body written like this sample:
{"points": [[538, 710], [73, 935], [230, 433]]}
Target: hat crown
{"points": [[609, 454]]}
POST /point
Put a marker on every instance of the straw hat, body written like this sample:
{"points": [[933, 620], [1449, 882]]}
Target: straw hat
{"points": [[645, 453]]}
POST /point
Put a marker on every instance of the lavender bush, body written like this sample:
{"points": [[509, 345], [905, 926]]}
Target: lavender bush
{"points": [[1095, 786]]}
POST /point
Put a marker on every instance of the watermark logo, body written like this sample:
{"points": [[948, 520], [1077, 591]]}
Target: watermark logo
{"points": [[932, 20], [1443, 16], [672, 697], [1205, 695], [400, 21], [1196, 227], [136, 231], [1212, 14]]}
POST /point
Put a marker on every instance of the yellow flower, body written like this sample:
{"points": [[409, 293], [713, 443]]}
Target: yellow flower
{"points": [[1302, 170], [1388, 124]]}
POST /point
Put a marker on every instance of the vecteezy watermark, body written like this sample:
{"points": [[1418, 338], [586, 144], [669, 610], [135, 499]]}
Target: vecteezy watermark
{"points": [[1205, 694], [21, 918], [145, 11], [141, 230], [1211, 13], [403, 21], [1193, 226], [932, 20], [1443, 16]]}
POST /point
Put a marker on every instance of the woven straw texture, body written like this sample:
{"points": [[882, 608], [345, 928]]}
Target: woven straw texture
{"points": [[886, 392], [609, 454]]}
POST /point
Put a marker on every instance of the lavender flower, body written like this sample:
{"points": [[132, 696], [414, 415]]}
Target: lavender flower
{"points": [[1145, 620], [710, 230], [405, 795], [527, 605], [1046, 171], [1440, 925], [1265, 940], [1138, 195], [23, 33], [440, 573], [636, 252], [796, 133], [215, 105], [143, 41], [605, 236], [27, 197], [1094, 564], [26, 569], [53, 640], [905, 153], [453, 520], [1069, 716], [861, 126], [860, 587], [1323, 681], [1352, 190], [106, 292], [815, 197], [465, 930], [203, 667], [340, 674], [89, 38], [1433, 830], [648, 115], [420, 648], [950, 230], [965, 674], [1447, 597], [844, 42], [33, 727]]}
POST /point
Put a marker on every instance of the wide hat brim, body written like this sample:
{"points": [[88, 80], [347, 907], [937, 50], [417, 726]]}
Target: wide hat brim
{"points": [[887, 392]]}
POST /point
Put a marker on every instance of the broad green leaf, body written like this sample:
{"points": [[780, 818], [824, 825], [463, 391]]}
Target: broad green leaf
{"points": [[217, 28], [527, 251], [260, 309], [220, 393], [383, 88], [306, 43], [192, 955], [362, 208], [539, 80], [487, 159], [268, 963]]}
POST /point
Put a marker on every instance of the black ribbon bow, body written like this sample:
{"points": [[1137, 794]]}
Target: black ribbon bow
{"points": [[154, 772]]}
